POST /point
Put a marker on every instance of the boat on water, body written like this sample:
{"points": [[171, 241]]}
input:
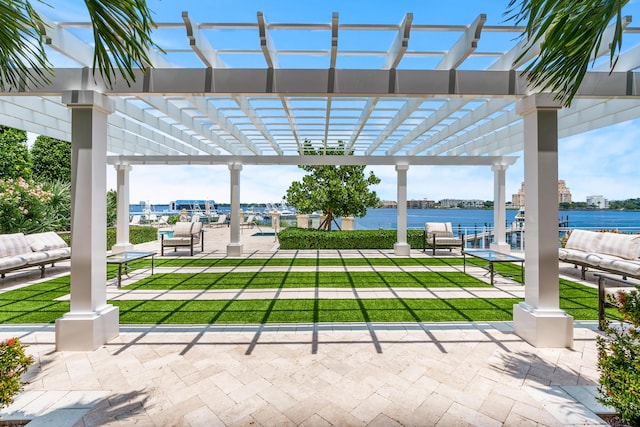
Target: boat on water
{"points": [[282, 207], [518, 222]]}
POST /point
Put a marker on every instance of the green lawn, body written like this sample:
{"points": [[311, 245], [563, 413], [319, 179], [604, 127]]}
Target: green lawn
{"points": [[36, 303], [261, 280], [300, 262]]}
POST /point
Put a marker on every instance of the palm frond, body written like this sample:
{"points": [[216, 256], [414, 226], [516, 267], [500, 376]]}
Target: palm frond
{"points": [[570, 32], [23, 61], [122, 35]]}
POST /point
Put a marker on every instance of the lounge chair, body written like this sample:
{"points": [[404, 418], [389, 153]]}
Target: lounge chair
{"points": [[185, 234], [250, 222], [440, 235], [222, 221], [135, 220], [163, 221]]}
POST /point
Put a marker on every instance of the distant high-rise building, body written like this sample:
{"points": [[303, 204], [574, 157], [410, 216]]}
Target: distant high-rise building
{"points": [[598, 202], [564, 195]]}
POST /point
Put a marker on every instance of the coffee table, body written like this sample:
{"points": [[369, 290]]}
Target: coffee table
{"points": [[492, 257], [124, 258]]}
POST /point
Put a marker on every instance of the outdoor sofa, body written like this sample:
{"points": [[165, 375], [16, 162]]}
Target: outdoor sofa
{"points": [[185, 234], [439, 235], [19, 251], [605, 251]]}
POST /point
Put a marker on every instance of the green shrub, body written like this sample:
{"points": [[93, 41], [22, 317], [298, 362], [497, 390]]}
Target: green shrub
{"points": [[619, 360], [299, 238], [137, 234], [22, 205], [13, 363]]}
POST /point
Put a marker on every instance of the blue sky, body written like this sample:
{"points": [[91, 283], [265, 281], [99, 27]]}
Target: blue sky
{"points": [[603, 162]]}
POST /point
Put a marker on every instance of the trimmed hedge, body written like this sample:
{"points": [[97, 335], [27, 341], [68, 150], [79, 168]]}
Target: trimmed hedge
{"points": [[137, 234], [302, 238]]}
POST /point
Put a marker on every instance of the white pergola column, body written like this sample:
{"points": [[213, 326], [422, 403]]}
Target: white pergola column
{"points": [[91, 322], [122, 235], [499, 210], [401, 247], [539, 319], [234, 248]]}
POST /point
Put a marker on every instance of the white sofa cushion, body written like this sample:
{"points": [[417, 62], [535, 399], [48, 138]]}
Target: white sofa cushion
{"points": [[58, 253], [583, 240], [627, 267], [621, 245], [10, 262], [45, 241], [439, 229], [13, 244], [34, 257]]}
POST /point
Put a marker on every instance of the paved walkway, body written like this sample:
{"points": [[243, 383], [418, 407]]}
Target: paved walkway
{"points": [[391, 374]]}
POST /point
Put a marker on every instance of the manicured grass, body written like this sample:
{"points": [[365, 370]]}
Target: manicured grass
{"points": [[303, 311], [253, 280], [299, 262], [36, 303]]}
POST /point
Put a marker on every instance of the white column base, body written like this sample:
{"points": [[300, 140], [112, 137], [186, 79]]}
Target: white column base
{"points": [[234, 249], [543, 328], [121, 247], [504, 248], [401, 249], [87, 331]]}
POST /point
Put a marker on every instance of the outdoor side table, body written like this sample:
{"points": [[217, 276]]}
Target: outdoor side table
{"points": [[492, 257], [123, 259]]}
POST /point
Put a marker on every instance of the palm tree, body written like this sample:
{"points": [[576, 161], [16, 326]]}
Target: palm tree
{"points": [[122, 36], [570, 32]]}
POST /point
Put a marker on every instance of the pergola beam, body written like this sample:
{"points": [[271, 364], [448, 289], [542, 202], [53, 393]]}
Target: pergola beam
{"points": [[407, 109], [313, 160], [200, 45], [465, 45], [165, 106], [252, 115], [312, 82], [400, 43]]}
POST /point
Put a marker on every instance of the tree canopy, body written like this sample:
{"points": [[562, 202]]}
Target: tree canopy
{"points": [[15, 160], [337, 191], [570, 32], [51, 159]]}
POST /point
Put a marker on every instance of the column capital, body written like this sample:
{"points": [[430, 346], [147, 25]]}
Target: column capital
{"points": [[87, 99], [537, 102], [126, 168], [499, 167], [402, 167], [235, 166]]}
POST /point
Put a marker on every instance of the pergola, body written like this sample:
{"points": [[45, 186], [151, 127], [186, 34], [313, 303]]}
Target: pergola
{"points": [[227, 94]]}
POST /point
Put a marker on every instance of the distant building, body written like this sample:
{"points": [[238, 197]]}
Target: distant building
{"points": [[389, 204], [450, 203], [564, 195], [598, 201], [420, 204]]}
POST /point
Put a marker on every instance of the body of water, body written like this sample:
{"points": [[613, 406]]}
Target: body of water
{"points": [[467, 219]]}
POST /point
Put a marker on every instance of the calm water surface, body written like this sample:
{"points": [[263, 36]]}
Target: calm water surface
{"points": [[468, 218]]}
